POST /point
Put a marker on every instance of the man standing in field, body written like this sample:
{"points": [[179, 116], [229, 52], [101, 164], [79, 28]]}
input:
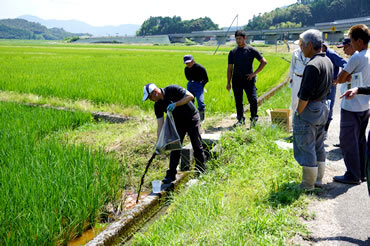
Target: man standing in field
{"points": [[177, 100], [240, 71], [197, 78], [354, 114], [312, 113]]}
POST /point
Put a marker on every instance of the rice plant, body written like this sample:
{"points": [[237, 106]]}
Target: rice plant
{"points": [[50, 192], [108, 74]]}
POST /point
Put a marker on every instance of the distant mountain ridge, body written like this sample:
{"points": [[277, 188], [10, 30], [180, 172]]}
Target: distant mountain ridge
{"points": [[76, 26], [23, 29]]}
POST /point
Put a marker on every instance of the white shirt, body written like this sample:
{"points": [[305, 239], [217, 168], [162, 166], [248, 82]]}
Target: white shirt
{"points": [[298, 63], [357, 63]]}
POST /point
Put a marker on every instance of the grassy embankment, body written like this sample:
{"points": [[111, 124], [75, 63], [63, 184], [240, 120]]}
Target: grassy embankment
{"points": [[50, 192], [250, 196]]}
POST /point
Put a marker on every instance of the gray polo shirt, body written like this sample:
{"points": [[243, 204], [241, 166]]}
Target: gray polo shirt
{"points": [[317, 78]]}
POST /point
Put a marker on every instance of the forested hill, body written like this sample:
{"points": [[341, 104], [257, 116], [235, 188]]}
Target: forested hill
{"points": [[167, 25], [22, 29], [309, 12]]}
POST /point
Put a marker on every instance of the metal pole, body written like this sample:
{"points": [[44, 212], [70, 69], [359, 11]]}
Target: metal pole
{"points": [[226, 33]]}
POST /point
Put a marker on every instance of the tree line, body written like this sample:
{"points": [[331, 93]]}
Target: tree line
{"points": [[169, 25], [23, 29], [309, 12]]}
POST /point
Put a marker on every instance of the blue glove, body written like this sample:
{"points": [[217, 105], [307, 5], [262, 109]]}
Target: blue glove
{"points": [[171, 107]]}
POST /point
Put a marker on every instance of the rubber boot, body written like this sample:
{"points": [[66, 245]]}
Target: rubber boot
{"points": [[201, 114], [320, 173], [253, 121], [309, 176]]}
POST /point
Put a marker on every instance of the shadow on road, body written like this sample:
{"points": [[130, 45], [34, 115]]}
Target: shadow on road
{"points": [[334, 189], [334, 154], [343, 239]]}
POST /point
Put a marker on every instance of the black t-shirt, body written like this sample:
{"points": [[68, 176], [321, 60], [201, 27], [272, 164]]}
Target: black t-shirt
{"points": [[317, 78], [174, 93], [242, 59], [196, 73]]}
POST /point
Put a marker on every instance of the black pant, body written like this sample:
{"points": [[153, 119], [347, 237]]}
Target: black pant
{"points": [[352, 139], [192, 127], [250, 89]]}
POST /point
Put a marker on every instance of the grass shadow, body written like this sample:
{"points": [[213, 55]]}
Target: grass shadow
{"points": [[285, 195], [219, 129]]}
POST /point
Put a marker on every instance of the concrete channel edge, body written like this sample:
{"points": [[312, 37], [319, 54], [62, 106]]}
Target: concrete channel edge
{"points": [[123, 229]]}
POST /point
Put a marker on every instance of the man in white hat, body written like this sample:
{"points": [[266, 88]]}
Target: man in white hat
{"points": [[338, 62], [179, 101]]}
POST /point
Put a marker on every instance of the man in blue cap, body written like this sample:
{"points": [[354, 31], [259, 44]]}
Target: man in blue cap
{"points": [[337, 63], [177, 100], [347, 47], [197, 78]]}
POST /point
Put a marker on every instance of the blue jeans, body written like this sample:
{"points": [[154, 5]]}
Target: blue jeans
{"points": [[197, 89], [331, 97], [308, 134]]}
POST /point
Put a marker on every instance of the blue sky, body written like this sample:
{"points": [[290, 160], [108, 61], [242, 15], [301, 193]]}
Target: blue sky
{"points": [[116, 12]]}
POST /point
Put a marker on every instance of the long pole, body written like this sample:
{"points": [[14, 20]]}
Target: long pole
{"points": [[142, 177], [226, 33]]}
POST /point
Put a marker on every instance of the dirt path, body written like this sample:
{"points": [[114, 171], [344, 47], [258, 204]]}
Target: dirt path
{"points": [[342, 212]]}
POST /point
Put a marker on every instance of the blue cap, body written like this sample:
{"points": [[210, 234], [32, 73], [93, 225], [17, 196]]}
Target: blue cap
{"points": [[188, 58], [345, 42]]}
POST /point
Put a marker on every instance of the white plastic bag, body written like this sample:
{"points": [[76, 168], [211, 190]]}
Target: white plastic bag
{"points": [[168, 139]]}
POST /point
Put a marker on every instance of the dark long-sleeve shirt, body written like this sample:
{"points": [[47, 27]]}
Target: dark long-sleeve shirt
{"points": [[196, 73], [336, 60], [364, 90]]}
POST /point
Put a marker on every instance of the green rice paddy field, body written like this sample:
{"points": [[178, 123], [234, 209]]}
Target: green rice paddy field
{"points": [[108, 74], [50, 191], [54, 189]]}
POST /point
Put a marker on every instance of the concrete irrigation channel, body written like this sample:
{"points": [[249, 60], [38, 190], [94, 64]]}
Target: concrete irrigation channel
{"points": [[132, 220], [120, 231]]}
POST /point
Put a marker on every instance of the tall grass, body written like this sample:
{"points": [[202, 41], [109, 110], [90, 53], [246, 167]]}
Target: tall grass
{"points": [[50, 192], [249, 197], [108, 75]]}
